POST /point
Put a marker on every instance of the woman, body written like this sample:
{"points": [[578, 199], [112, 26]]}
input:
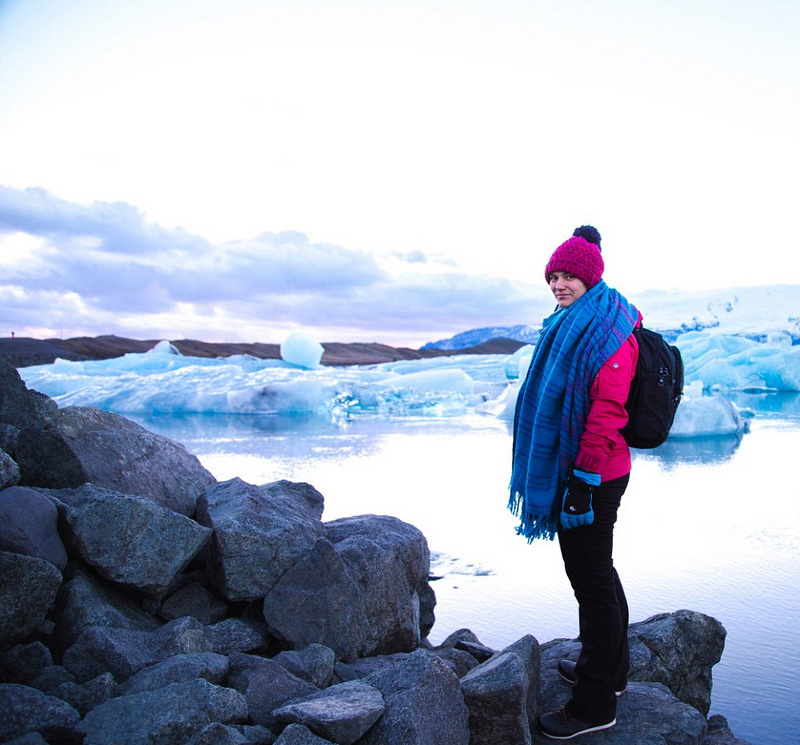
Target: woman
{"points": [[571, 466]]}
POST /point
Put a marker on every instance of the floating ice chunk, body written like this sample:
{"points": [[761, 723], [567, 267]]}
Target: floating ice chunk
{"points": [[709, 415], [165, 347], [301, 350], [444, 564], [433, 381], [723, 361], [518, 363], [282, 397], [504, 405]]}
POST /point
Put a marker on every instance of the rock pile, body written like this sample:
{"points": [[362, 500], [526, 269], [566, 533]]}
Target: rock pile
{"points": [[142, 601]]}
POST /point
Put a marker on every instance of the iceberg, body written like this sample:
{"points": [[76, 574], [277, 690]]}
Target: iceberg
{"points": [[301, 350], [718, 367], [164, 347], [728, 362]]}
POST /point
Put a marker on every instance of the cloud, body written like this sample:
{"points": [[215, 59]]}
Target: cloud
{"points": [[103, 267]]}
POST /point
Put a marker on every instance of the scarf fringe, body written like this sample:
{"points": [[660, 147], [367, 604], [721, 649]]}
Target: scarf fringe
{"points": [[532, 526]]}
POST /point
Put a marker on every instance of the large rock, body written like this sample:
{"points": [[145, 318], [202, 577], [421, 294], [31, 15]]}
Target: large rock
{"points": [[424, 704], [530, 653], [341, 713], [28, 588], [124, 652], [678, 649], [167, 716], [130, 540], [496, 693], [86, 696], [85, 600], [26, 710], [9, 470], [719, 733], [260, 532], [314, 663], [266, 685], [20, 407], [648, 714], [218, 734], [180, 668], [390, 563], [29, 525], [299, 734], [83, 445], [191, 597], [317, 601]]}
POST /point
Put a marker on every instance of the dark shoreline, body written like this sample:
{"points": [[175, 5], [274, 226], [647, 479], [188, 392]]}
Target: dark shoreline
{"points": [[26, 351]]}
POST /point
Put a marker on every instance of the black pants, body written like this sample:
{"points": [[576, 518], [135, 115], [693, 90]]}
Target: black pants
{"points": [[602, 608]]}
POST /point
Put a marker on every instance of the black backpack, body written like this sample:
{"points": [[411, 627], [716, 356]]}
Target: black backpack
{"points": [[656, 391]]}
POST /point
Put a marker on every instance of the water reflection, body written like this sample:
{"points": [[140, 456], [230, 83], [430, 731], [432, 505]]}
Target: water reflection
{"points": [[698, 450], [773, 405]]}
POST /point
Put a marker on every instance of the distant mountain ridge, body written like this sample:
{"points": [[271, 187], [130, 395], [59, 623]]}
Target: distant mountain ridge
{"points": [[754, 312]]}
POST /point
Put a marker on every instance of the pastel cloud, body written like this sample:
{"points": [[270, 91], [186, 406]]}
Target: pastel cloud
{"points": [[104, 268]]}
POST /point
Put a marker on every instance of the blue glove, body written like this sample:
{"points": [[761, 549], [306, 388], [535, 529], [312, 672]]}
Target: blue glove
{"points": [[576, 506]]}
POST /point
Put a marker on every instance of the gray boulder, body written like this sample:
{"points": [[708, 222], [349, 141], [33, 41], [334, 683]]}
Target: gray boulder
{"points": [[719, 733], [167, 716], [23, 663], [256, 734], [341, 713], [130, 540], [28, 588], [193, 598], [266, 685], [260, 532], [424, 704], [678, 649], [496, 694], [217, 734], [390, 563], [86, 696], [83, 445], [9, 470], [317, 601], [20, 407], [648, 714], [299, 734], [237, 635], [530, 653], [123, 652], [29, 525], [26, 710], [314, 664], [179, 668], [86, 601]]}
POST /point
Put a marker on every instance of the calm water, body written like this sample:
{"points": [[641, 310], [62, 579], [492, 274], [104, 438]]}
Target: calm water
{"points": [[712, 525]]}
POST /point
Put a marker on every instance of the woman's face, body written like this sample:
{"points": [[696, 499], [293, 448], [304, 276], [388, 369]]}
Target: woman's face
{"points": [[566, 287]]}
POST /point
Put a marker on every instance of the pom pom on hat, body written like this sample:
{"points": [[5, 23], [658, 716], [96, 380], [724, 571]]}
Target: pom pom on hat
{"points": [[591, 233], [580, 257]]}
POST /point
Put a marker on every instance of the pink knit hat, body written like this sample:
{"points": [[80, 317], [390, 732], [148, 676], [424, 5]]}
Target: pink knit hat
{"points": [[579, 257]]}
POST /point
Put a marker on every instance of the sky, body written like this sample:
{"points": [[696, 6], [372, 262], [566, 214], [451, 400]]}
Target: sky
{"points": [[383, 171]]}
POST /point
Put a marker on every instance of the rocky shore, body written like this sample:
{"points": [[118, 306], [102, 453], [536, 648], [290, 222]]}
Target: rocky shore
{"points": [[142, 601]]}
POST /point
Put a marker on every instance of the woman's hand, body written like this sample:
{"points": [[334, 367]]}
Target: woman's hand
{"points": [[576, 506]]}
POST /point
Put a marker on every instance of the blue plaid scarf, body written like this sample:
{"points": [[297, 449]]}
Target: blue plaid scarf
{"points": [[553, 401]]}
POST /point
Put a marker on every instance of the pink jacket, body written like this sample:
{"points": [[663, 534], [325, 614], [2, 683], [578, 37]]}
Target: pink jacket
{"points": [[603, 450]]}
